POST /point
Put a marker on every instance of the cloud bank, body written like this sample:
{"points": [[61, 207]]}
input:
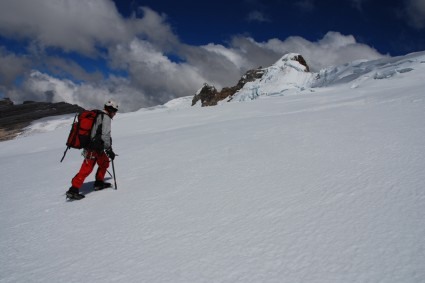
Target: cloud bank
{"points": [[147, 62]]}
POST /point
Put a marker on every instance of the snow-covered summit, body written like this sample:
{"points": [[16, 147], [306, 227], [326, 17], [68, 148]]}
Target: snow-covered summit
{"points": [[289, 74], [292, 60]]}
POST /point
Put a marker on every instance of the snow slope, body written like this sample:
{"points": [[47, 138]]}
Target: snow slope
{"points": [[325, 186]]}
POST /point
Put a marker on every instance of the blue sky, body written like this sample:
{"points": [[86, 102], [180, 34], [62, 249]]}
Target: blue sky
{"points": [[382, 24], [144, 53]]}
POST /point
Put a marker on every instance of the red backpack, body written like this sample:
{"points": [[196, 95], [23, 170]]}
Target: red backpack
{"points": [[80, 134]]}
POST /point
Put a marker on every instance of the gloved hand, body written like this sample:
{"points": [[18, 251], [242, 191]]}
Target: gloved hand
{"points": [[110, 153]]}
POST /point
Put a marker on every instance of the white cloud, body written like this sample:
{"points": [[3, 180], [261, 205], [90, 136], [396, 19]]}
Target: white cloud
{"points": [[336, 40], [233, 56], [67, 68], [70, 25], [154, 73], [333, 49], [155, 28], [11, 67], [42, 87], [139, 47]]}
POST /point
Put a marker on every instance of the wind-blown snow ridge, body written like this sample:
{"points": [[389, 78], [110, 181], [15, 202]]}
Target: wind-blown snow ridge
{"points": [[360, 71]]}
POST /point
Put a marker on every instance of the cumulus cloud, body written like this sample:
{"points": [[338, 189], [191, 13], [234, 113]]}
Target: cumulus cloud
{"points": [[67, 68], [70, 25], [333, 49], [154, 73], [43, 87], [11, 67], [140, 47], [154, 27]]}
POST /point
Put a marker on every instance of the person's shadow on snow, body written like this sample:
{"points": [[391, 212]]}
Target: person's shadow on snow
{"points": [[88, 187]]}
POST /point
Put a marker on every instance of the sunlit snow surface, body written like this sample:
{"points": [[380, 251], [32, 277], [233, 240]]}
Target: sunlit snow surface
{"points": [[325, 185]]}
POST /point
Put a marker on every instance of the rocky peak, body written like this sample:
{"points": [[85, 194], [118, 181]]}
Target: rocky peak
{"points": [[209, 96]]}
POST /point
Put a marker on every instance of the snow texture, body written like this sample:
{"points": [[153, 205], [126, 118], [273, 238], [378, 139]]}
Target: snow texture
{"points": [[323, 186]]}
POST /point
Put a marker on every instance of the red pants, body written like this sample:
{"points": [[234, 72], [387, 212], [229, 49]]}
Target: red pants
{"points": [[92, 157]]}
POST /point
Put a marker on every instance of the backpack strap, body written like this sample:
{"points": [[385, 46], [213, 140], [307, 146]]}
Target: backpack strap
{"points": [[96, 142], [99, 127]]}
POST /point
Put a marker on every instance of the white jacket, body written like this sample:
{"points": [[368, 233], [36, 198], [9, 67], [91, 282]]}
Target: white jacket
{"points": [[104, 122]]}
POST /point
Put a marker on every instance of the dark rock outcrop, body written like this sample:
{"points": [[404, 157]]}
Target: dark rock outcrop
{"points": [[209, 95], [5, 102], [13, 118], [300, 59]]}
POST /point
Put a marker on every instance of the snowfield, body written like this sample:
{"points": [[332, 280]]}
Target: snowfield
{"points": [[324, 185]]}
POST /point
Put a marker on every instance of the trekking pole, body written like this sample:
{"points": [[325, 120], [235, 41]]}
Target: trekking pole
{"points": [[113, 171], [70, 132], [64, 153]]}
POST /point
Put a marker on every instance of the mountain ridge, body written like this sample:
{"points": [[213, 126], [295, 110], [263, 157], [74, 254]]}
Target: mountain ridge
{"points": [[290, 75], [14, 118]]}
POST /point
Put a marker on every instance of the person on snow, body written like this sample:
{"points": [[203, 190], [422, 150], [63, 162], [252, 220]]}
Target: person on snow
{"points": [[99, 151]]}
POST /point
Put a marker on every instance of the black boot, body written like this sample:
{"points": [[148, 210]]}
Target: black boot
{"points": [[74, 194], [100, 185]]}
